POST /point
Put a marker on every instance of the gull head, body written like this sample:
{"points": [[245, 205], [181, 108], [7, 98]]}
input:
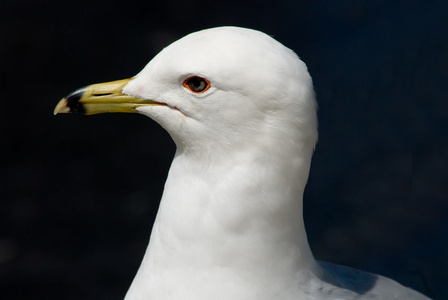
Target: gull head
{"points": [[241, 109], [215, 89]]}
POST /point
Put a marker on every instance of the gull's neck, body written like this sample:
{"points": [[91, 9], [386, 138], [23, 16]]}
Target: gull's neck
{"points": [[217, 227]]}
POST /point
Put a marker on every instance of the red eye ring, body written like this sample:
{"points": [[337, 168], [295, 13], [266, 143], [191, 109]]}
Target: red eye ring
{"points": [[196, 84]]}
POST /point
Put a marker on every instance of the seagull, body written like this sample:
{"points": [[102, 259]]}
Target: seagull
{"points": [[241, 110]]}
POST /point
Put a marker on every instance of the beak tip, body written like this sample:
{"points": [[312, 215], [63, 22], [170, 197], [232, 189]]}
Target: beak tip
{"points": [[61, 107]]}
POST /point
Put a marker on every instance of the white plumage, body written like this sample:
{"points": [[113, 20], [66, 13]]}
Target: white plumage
{"points": [[230, 220]]}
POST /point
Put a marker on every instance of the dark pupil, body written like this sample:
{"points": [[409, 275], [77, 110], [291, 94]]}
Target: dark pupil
{"points": [[197, 84]]}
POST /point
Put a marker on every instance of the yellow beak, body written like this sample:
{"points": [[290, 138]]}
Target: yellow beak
{"points": [[100, 98]]}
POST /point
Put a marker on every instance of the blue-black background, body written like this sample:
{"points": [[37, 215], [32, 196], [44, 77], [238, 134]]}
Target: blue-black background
{"points": [[78, 194]]}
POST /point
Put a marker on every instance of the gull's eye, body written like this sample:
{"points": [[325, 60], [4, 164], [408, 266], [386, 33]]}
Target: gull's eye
{"points": [[196, 84]]}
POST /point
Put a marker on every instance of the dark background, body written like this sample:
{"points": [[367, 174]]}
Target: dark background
{"points": [[78, 194]]}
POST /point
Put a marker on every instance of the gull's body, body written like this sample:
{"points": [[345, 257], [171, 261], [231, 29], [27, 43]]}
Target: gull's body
{"points": [[230, 220]]}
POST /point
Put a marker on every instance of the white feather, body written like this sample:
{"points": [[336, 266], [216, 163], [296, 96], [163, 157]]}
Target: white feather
{"points": [[230, 220]]}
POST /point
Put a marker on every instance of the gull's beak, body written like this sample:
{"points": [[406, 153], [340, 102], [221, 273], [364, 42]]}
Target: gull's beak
{"points": [[100, 98]]}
